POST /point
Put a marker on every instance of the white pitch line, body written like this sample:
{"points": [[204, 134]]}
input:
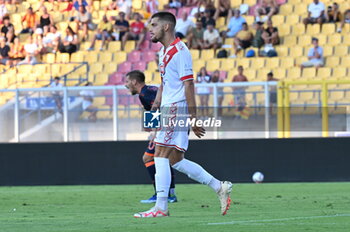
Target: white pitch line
{"points": [[278, 219]]}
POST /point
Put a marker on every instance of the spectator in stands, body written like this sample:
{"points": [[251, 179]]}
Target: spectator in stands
{"points": [[69, 43], [207, 19], [3, 11], [195, 36], [209, 5], [258, 40], [243, 39], [235, 24], [69, 8], [272, 89], [173, 4], [113, 5], [87, 104], [38, 40], [4, 52], [211, 37], [104, 33], [151, 7], [121, 26], [10, 35], [316, 13], [203, 78], [52, 39], [270, 35], [239, 92], [223, 8], [126, 7], [215, 78], [45, 18], [315, 56], [268, 8], [30, 20], [17, 52], [346, 19], [78, 3], [83, 21], [136, 32], [183, 26], [57, 95], [333, 13], [7, 25], [31, 50]]}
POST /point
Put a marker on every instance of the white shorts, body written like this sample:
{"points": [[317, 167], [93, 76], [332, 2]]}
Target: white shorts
{"points": [[172, 133]]}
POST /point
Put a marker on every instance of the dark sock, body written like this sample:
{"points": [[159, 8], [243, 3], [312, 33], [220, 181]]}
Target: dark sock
{"points": [[172, 184], [151, 171]]}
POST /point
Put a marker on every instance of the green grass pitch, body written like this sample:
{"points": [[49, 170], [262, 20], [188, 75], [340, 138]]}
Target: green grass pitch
{"points": [[319, 207]]}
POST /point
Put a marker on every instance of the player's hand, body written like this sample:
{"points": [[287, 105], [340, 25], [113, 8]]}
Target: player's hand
{"points": [[198, 131]]}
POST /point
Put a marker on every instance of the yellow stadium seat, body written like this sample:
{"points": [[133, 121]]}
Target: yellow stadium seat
{"points": [[101, 79], [286, 9], [24, 69], [55, 69], [213, 64], [287, 62], [322, 39], [306, 96], [96, 68], [284, 30], [294, 2], [298, 29], [296, 52], [110, 67], [137, 4], [250, 19], [236, 3], [221, 22], [313, 29], [257, 63], [334, 39], [332, 61], [152, 66], [65, 68], [282, 51], [346, 39], [345, 61], [279, 73], [49, 58], [91, 57], [227, 64], [114, 46], [292, 19], [290, 40], [324, 72], [77, 57], [62, 57], [277, 20], [328, 29], [300, 60], [327, 50], [129, 46], [341, 50], [294, 73], [120, 57], [105, 57], [249, 2], [308, 73], [245, 62], [300, 9], [339, 72], [207, 54], [272, 63], [195, 54], [148, 76], [198, 64], [40, 68], [304, 40], [262, 74]]}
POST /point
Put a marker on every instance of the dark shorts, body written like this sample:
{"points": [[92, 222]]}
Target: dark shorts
{"points": [[245, 44], [273, 97], [314, 20]]}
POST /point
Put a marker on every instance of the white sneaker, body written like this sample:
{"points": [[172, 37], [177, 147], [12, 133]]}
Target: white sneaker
{"points": [[152, 213], [224, 196]]}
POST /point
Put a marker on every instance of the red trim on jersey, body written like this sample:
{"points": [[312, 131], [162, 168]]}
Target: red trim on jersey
{"points": [[169, 55], [171, 145], [175, 41], [188, 77]]}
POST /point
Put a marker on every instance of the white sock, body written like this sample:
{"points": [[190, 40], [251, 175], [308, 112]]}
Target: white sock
{"points": [[197, 173], [163, 179]]}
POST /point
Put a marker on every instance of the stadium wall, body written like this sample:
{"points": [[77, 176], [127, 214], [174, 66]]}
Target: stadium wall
{"points": [[281, 160]]}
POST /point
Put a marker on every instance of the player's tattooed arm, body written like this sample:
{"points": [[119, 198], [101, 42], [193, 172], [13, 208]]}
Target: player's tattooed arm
{"points": [[158, 99], [192, 108]]}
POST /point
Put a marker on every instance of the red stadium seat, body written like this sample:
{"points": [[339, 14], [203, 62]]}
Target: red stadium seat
{"points": [[183, 9], [145, 45], [148, 56], [116, 78], [139, 66], [134, 56], [124, 67], [156, 46]]}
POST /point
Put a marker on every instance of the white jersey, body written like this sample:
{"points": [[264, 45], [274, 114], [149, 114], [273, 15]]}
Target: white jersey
{"points": [[175, 65]]}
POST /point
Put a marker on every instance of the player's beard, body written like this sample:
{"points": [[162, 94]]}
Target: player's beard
{"points": [[156, 38]]}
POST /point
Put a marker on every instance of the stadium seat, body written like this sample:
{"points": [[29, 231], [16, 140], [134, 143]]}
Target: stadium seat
{"points": [[156, 46], [300, 9], [198, 64], [245, 62], [134, 56], [77, 57], [207, 54], [124, 67], [286, 9], [332, 61], [296, 52], [110, 67], [148, 56], [152, 66], [114, 46], [213, 64], [278, 20], [250, 74], [279, 73], [105, 57], [129, 46], [304, 40], [227, 64], [120, 57], [96, 68], [148, 76], [313, 29], [339, 72], [49, 58], [195, 54], [324, 73], [282, 51], [140, 65], [92, 57], [334, 39], [327, 50], [298, 29], [290, 40], [284, 30], [308, 73], [262, 74], [145, 45], [101, 79], [346, 40], [257, 63], [292, 19], [341, 50], [328, 29], [272, 63], [294, 73], [116, 78], [345, 61]]}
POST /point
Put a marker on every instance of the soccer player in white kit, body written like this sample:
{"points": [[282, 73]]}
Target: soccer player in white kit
{"points": [[176, 99]]}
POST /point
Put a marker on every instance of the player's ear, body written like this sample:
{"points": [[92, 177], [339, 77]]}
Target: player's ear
{"points": [[166, 26]]}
